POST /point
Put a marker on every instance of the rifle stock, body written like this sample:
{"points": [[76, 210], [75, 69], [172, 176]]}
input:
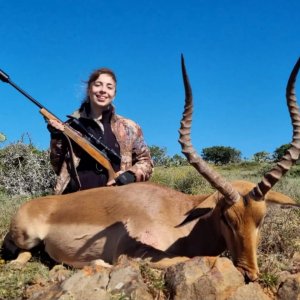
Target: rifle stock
{"points": [[69, 131]]}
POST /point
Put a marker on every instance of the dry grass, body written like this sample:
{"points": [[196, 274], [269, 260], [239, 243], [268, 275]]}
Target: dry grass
{"points": [[280, 242], [154, 279], [184, 179], [8, 206], [13, 282]]}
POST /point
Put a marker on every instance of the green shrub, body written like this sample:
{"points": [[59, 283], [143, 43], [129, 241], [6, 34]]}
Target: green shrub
{"points": [[24, 170]]}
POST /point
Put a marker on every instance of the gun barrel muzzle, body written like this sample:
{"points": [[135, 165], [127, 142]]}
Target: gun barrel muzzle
{"points": [[3, 76]]}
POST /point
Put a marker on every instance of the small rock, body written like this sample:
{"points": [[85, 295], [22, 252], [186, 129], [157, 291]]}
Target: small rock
{"points": [[289, 289]]}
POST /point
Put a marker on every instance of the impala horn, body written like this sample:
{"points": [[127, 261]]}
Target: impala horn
{"points": [[292, 154], [215, 179]]}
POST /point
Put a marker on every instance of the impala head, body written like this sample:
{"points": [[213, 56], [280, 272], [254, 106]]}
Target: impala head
{"points": [[240, 225], [241, 206]]}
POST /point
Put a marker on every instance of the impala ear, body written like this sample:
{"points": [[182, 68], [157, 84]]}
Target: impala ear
{"points": [[196, 213], [281, 199]]}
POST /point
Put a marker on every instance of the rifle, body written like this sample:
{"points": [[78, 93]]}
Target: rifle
{"points": [[69, 131]]}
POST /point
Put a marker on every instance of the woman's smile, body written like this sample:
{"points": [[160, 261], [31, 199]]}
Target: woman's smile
{"points": [[102, 92]]}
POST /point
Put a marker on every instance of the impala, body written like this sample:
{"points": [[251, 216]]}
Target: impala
{"points": [[146, 220]]}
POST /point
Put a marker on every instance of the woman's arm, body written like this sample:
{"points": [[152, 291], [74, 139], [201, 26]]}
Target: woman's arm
{"points": [[58, 147], [142, 164]]}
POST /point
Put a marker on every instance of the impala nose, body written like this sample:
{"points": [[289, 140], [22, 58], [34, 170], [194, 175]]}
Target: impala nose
{"points": [[249, 275]]}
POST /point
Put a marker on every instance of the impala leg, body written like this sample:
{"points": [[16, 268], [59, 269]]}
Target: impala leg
{"points": [[9, 251], [23, 258], [101, 263]]}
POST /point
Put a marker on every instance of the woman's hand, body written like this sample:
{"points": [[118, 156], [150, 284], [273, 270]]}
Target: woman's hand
{"points": [[122, 177], [113, 181], [57, 125]]}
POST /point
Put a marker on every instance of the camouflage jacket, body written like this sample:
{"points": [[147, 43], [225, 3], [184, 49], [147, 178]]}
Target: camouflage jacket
{"points": [[135, 155]]}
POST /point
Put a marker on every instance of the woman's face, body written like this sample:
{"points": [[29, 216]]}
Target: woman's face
{"points": [[102, 91]]}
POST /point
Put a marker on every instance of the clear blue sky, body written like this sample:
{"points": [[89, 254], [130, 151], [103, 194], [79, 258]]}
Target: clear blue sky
{"points": [[238, 54]]}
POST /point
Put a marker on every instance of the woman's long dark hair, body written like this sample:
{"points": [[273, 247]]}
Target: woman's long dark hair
{"points": [[85, 105]]}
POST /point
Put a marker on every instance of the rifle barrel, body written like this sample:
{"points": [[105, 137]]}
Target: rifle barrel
{"points": [[5, 78]]}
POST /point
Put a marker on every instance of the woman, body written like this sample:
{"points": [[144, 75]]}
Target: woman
{"points": [[96, 116]]}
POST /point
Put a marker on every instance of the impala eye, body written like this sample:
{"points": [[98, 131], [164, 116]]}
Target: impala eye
{"points": [[228, 222]]}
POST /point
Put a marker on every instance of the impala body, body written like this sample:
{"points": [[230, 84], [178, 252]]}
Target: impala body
{"points": [[146, 220]]}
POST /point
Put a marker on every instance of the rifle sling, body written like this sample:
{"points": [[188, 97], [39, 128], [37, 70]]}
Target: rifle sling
{"points": [[73, 167]]}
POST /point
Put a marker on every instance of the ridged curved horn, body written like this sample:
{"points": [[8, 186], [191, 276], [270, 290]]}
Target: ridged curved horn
{"points": [[215, 179], [292, 154]]}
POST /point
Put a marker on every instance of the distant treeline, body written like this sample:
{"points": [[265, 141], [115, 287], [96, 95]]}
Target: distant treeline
{"points": [[219, 155]]}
